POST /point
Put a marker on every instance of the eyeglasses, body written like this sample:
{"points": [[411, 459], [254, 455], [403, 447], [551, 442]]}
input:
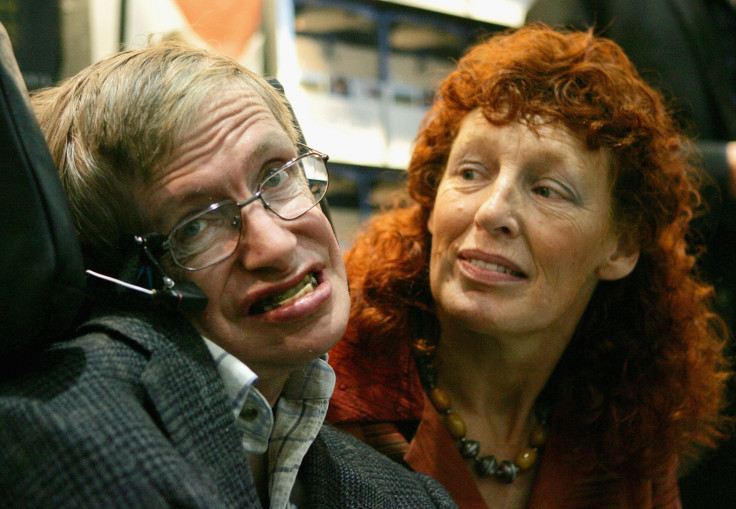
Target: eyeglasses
{"points": [[213, 234]]}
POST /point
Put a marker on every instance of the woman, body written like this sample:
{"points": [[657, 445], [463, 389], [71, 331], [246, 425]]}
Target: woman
{"points": [[529, 330]]}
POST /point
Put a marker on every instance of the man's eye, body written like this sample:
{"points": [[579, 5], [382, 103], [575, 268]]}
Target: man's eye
{"points": [[275, 179], [193, 228]]}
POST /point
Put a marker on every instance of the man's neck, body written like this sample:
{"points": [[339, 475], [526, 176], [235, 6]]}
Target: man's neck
{"points": [[271, 388]]}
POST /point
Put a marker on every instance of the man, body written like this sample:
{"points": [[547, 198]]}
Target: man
{"points": [[198, 376]]}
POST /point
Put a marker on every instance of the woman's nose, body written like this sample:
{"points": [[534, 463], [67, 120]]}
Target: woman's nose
{"points": [[267, 243], [498, 212]]}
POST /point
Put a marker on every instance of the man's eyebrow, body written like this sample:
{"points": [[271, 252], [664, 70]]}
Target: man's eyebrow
{"points": [[270, 144], [262, 147], [176, 205]]}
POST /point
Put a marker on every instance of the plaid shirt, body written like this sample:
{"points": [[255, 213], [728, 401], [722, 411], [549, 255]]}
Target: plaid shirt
{"points": [[286, 433]]}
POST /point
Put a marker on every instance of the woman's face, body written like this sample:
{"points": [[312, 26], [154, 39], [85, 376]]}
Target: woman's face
{"points": [[522, 230]]}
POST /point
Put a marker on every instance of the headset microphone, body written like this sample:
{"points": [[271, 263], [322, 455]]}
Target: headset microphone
{"points": [[184, 296]]}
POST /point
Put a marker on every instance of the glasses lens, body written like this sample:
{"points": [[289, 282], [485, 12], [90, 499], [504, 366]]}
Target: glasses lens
{"points": [[297, 187], [213, 235], [207, 238]]}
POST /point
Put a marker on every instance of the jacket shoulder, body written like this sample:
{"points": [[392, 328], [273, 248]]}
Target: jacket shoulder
{"points": [[341, 472], [81, 426]]}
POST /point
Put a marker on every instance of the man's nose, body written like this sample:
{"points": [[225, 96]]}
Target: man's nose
{"points": [[267, 243]]}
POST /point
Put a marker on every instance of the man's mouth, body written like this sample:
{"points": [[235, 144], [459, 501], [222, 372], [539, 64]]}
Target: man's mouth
{"points": [[305, 286]]}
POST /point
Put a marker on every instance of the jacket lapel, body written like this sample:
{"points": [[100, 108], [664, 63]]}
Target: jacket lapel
{"points": [[188, 399]]}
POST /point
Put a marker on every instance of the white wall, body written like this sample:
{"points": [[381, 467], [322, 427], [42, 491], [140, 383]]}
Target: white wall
{"points": [[104, 18], [104, 15], [501, 12]]}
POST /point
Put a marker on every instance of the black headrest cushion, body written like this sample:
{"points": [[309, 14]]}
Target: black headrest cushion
{"points": [[41, 269]]}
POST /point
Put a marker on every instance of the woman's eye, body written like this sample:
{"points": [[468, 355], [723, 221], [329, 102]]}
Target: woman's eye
{"points": [[468, 174], [548, 192]]}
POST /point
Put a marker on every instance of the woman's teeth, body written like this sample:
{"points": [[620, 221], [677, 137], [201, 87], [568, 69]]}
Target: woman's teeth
{"points": [[307, 285], [494, 266]]}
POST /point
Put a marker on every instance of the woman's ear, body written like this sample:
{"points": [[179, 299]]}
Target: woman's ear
{"points": [[622, 260]]}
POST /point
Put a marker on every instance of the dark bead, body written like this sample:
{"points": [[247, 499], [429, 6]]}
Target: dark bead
{"points": [[424, 365], [485, 466], [427, 375], [507, 471], [469, 448], [429, 378]]}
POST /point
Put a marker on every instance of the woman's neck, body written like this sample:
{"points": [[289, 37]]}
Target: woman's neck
{"points": [[498, 378]]}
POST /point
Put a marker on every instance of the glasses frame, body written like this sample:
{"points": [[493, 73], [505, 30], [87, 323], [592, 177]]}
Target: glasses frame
{"points": [[166, 243]]}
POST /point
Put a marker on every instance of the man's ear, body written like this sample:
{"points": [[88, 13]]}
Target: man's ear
{"points": [[430, 222], [622, 260]]}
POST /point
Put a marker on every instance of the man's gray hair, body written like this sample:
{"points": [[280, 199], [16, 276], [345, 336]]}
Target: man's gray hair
{"points": [[117, 123]]}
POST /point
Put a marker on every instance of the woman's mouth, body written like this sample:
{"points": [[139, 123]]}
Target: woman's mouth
{"points": [[494, 267], [305, 286]]}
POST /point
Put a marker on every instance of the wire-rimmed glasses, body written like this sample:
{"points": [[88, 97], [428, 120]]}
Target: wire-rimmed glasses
{"points": [[210, 236]]}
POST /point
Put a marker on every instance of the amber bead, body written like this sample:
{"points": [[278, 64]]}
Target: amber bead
{"points": [[486, 466], [423, 347], [440, 399], [538, 436], [526, 458], [455, 425]]}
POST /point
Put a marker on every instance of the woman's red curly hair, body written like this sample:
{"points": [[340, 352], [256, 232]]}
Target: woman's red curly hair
{"points": [[642, 381]]}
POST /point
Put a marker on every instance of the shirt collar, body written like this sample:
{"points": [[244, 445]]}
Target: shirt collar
{"points": [[290, 428], [316, 380], [237, 377]]}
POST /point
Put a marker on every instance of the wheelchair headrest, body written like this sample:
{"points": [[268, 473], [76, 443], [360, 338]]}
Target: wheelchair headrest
{"points": [[42, 277]]}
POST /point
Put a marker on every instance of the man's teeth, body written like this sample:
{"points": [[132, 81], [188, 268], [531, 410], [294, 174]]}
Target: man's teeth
{"points": [[493, 266], [307, 285]]}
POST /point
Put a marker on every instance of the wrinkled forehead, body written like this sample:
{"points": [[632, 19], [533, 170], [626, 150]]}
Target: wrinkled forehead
{"points": [[216, 157], [208, 108], [538, 126], [214, 116]]}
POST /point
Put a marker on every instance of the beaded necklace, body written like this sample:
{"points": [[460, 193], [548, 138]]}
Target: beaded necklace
{"points": [[485, 466]]}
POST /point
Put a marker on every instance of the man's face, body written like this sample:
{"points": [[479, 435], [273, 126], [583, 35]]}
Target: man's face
{"points": [[224, 157]]}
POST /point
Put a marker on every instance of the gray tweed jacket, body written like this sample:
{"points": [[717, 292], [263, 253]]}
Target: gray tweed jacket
{"points": [[132, 413]]}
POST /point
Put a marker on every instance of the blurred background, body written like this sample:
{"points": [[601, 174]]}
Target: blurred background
{"points": [[359, 74]]}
